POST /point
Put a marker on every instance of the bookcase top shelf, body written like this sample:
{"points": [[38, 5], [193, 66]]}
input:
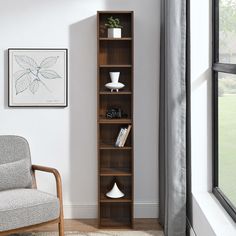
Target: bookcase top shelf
{"points": [[115, 39], [115, 12]]}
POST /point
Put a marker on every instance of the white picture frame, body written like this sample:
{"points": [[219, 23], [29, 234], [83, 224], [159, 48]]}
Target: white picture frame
{"points": [[37, 77]]}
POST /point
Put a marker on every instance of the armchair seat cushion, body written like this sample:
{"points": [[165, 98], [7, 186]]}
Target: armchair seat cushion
{"points": [[26, 207]]}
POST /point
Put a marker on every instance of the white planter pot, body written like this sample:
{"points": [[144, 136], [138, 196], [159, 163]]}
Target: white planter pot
{"points": [[114, 76], [114, 32]]}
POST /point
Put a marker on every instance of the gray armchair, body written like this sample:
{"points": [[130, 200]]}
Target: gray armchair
{"points": [[22, 206]]}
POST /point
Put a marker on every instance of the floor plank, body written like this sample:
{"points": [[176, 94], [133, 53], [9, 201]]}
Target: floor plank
{"points": [[90, 225]]}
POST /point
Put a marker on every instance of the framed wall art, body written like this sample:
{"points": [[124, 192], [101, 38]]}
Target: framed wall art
{"points": [[37, 77]]}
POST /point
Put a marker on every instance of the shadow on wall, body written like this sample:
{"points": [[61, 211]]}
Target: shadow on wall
{"points": [[5, 79], [201, 79], [83, 112]]}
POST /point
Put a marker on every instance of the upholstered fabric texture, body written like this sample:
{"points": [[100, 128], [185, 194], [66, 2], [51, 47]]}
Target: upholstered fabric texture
{"points": [[15, 175], [25, 207], [15, 163], [13, 148]]}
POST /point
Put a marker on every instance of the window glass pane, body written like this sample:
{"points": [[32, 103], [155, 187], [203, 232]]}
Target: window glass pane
{"points": [[227, 134], [227, 31]]}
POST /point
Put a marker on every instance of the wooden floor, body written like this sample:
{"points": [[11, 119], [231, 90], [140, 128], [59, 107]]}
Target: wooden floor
{"points": [[90, 225]]}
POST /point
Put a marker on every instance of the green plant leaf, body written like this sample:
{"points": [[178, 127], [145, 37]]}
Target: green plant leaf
{"points": [[113, 23]]}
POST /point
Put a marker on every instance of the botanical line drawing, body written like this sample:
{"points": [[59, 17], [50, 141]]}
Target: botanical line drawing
{"points": [[33, 74]]}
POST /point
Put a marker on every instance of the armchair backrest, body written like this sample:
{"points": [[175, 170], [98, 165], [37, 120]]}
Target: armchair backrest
{"points": [[13, 148], [15, 163]]}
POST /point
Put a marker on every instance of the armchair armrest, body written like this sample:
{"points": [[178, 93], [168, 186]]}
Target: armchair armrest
{"points": [[56, 175], [59, 192]]}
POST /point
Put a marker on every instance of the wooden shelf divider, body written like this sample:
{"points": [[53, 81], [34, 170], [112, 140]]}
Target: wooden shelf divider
{"points": [[115, 39], [104, 198], [115, 172], [115, 93], [115, 121], [112, 147], [115, 66]]}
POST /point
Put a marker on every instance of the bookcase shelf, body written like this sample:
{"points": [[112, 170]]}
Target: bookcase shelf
{"points": [[115, 66], [115, 164], [115, 93], [115, 39], [115, 121], [112, 147], [104, 198], [115, 172], [116, 223], [115, 200], [125, 74]]}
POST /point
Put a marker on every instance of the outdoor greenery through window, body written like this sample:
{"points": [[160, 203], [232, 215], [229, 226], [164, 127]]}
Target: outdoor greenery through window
{"points": [[224, 84], [227, 135], [227, 31]]}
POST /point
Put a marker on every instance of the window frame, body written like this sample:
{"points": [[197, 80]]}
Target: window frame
{"points": [[216, 68]]}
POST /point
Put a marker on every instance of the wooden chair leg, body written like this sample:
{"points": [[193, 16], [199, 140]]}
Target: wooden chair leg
{"points": [[61, 226]]}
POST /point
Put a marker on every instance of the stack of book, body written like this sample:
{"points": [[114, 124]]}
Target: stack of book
{"points": [[122, 136]]}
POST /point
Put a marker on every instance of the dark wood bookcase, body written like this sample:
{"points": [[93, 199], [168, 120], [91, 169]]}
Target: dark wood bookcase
{"points": [[115, 164]]}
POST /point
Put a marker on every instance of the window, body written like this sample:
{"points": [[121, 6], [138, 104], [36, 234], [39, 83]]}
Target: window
{"points": [[224, 109]]}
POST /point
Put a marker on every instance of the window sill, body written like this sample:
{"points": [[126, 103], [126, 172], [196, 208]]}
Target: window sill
{"points": [[215, 220]]}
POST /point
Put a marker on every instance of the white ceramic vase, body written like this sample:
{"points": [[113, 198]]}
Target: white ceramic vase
{"points": [[114, 32], [115, 192], [114, 76]]}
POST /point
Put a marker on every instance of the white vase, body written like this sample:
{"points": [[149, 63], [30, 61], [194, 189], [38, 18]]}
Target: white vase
{"points": [[115, 192], [114, 76], [114, 32]]}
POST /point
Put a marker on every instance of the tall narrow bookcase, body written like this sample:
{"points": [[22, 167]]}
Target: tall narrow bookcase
{"points": [[115, 164]]}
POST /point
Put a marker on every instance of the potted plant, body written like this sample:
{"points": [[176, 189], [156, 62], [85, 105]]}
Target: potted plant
{"points": [[114, 27]]}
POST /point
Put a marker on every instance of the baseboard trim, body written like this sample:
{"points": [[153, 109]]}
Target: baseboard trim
{"points": [[89, 211], [79, 211], [146, 210]]}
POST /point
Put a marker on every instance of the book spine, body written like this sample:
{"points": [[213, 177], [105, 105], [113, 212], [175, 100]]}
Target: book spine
{"points": [[118, 137], [122, 137], [126, 136]]}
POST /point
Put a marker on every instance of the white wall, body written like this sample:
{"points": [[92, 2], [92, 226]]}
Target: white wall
{"points": [[201, 94], [66, 138], [201, 110]]}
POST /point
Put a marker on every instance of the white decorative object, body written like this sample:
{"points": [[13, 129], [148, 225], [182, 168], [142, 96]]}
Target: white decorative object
{"points": [[114, 32], [114, 85], [114, 76], [115, 192]]}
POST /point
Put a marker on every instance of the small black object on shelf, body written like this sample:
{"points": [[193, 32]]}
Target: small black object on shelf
{"points": [[115, 113]]}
